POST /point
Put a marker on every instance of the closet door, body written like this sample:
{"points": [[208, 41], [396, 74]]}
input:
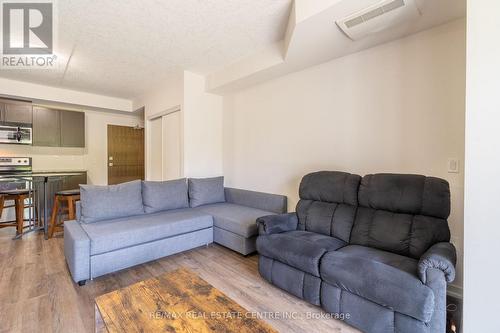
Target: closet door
{"points": [[172, 157]]}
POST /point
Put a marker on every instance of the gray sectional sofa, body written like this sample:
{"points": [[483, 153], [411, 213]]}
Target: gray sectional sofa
{"points": [[373, 250], [123, 225]]}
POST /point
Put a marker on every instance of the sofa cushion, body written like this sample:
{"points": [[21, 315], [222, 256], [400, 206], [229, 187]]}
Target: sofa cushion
{"points": [[237, 219], [166, 195], [120, 233], [406, 194], [382, 277], [204, 191], [300, 249], [108, 202], [403, 214], [328, 201]]}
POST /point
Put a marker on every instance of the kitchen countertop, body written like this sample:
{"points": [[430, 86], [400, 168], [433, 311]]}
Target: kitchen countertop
{"points": [[58, 171], [45, 173]]}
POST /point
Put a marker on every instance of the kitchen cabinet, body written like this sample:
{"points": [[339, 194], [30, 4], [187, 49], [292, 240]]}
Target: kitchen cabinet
{"points": [[19, 112], [72, 129], [58, 128], [46, 127], [55, 184]]}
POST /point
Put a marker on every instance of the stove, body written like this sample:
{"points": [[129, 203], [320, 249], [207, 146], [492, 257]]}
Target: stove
{"points": [[11, 171]]}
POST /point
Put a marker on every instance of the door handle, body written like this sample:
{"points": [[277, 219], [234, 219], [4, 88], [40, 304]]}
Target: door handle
{"points": [[110, 164]]}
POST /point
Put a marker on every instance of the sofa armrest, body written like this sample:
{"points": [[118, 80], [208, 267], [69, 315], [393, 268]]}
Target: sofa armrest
{"points": [[441, 256], [77, 251], [273, 203], [78, 210], [275, 224]]}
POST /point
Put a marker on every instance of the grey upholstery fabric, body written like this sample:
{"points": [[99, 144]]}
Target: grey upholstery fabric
{"points": [[273, 203], [204, 191], [134, 255], [392, 213], [366, 315], [436, 281], [120, 233], [300, 249], [166, 195], [293, 280], [275, 224], [406, 194], [234, 241], [77, 250], [403, 263], [330, 186], [441, 256], [392, 275], [108, 202], [328, 201], [384, 284], [238, 219]]}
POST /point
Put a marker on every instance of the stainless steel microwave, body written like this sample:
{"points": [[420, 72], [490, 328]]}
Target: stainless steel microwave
{"points": [[17, 135]]}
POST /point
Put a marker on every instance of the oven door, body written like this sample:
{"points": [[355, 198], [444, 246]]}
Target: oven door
{"points": [[16, 135]]}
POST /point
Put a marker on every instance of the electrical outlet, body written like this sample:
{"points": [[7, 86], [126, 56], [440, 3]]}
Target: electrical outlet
{"points": [[453, 166]]}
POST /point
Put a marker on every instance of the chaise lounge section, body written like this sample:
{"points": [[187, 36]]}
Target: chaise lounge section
{"points": [[123, 225], [374, 249]]}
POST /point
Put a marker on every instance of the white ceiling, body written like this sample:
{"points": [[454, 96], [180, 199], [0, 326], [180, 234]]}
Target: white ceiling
{"points": [[313, 38], [124, 48]]}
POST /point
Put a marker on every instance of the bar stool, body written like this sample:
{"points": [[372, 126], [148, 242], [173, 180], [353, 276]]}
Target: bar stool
{"points": [[64, 202], [19, 197]]}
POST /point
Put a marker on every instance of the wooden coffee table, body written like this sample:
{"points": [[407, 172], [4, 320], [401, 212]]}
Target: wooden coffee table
{"points": [[178, 301]]}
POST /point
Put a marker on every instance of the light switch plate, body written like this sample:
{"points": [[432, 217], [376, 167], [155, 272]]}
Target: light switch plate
{"points": [[453, 165]]}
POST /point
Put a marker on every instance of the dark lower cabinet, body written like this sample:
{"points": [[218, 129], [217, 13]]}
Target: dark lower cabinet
{"points": [[54, 185]]}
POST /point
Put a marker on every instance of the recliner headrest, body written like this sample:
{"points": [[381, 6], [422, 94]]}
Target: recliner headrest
{"points": [[330, 186], [406, 194]]}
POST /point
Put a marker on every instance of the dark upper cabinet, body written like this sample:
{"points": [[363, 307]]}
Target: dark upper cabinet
{"points": [[13, 111], [58, 128], [46, 127], [72, 129]]}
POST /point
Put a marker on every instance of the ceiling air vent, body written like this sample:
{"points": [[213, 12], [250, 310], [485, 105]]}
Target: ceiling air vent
{"points": [[378, 17]]}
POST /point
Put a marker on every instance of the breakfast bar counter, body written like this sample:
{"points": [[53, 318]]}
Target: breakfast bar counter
{"points": [[42, 185]]}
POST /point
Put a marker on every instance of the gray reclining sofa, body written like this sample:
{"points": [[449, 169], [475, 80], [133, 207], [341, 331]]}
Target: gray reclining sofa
{"points": [[373, 250], [123, 225]]}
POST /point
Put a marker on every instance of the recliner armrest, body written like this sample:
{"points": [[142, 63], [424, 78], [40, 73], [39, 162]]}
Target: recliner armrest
{"points": [[275, 224], [441, 256]]}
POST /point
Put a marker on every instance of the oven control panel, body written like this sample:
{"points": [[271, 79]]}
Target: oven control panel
{"points": [[15, 161]]}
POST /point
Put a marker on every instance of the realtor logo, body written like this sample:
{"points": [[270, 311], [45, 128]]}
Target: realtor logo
{"points": [[27, 28], [27, 34]]}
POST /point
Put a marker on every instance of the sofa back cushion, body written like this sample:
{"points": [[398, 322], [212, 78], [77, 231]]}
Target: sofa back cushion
{"points": [[108, 202], [166, 195], [328, 201], [403, 214], [204, 191]]}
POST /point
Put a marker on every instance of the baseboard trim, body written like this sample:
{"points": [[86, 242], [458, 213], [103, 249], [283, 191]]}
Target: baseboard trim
{"points": [[455, 291]]}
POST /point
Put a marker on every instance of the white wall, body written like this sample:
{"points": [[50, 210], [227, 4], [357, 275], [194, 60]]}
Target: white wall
{"points": [[482, 200], [92, 158], [166, 96], [398, 107], [202, 121], [33, 91]]}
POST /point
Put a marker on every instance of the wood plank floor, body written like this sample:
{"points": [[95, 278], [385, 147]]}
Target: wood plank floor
{"points": [[38, 295]]}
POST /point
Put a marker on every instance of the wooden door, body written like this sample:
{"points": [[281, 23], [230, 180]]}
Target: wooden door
{"points": [[125, 154]]}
